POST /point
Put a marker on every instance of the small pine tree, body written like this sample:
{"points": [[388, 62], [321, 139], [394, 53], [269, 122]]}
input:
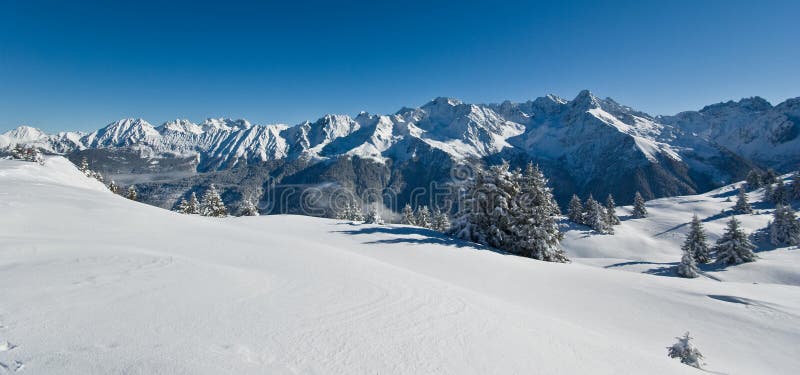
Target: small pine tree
{"points": [[780, 196], [596, 217], [686, 351], [193, 207], [182, 206], [423, 217], [212, 204], [687, 267], [795, 194], [639, 209], [373, 216], [408, 216], [441, 223], [742, 205], [753, 179], [611, 211], [84, 166], [248, 208], [696, 242], [575, 210], [132, 194], [770, 177], [734, 247], [785, 228], [113, 187], [768, 190]]}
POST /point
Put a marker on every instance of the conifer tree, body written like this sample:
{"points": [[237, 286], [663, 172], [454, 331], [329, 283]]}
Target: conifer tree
{"points": [[355, 212], [611, 211], [734, 247], [485, 212], [696, 242], [373, 216], [211, 204], [113, 187], [132, 194], [423, 217], [795, 190], [441, 223], [408, 216], [596, 217], [639, 209], [785, 228], [686, 351], [248, 208], [742, 205], [770, 177], [182, 206], [84, 166], [536, 230], [575, 210], [194, 205], [687, 267], [780, 196], [753, 179], [768, 190]]}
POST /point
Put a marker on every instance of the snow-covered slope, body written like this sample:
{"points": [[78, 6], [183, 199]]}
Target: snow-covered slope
{"points": [[653, 244], [93, 283]]}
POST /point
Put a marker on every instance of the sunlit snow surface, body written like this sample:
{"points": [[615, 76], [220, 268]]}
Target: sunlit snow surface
{"points": [[92, 283]]}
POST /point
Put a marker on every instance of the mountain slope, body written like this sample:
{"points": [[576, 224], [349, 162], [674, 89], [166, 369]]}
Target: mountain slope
{"points": [[93, 282], [585, 145]]}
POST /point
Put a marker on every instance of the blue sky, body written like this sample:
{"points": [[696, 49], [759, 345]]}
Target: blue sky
{"points": [[80, 65]]}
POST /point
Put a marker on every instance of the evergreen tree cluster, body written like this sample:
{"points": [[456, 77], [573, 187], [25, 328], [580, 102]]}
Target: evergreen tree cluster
{"points": [[734, 247], [511, 210], [84, 168], [211, 203], [742, 205], [31, 154], [351, 211], [437, 219], [373, 216], [785, 227], [190, 207], [593, 214]]}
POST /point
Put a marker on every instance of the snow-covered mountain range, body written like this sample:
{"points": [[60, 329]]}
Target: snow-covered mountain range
{"points": [[587, 145]]}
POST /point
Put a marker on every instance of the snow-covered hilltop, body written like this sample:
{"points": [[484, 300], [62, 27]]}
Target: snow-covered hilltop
{"points": [[586, 145], [95, 283]]}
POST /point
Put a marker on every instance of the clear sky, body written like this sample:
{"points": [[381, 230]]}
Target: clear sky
{"points": [[68, 65]]}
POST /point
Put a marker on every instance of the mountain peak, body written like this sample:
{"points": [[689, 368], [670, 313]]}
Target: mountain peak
{"points": [[586, 99], [443, 102]]}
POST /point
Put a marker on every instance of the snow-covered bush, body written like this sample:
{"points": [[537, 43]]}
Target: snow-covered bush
{"points": [[686, 351]]}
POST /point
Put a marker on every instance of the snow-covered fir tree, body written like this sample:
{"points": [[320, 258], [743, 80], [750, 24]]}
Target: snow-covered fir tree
{"points": [[423, 217], [742, 206], [484, 212], [696, 242], [248, 208], [780, 195], [211, 204], [575, 210], [535, 214], [595, 216], [795, 188], [373, 216], [753, 179], [611, 211], [784, 228], [768, 190], [132, 194], [687, 267], [193, 207], [84, 166], [182, 206], [113, 187], [686, 351], [407, 217], [441, 223], [734, 247], [356, 212], [639, 210], [770, 177]]}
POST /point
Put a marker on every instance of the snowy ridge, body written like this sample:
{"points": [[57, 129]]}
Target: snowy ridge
{"points": [[294, 294]]}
